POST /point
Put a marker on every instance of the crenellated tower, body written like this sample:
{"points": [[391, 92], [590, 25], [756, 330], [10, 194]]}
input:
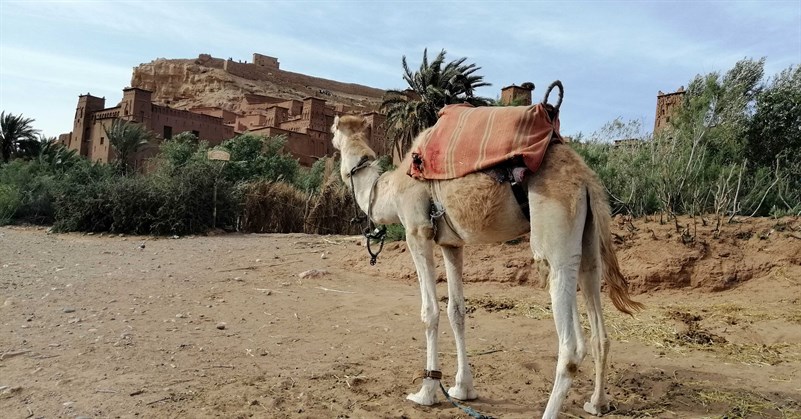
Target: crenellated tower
{"points": [[82, 124]]}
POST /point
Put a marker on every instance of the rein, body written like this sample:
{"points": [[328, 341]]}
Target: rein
{"points": [[371, 232]]}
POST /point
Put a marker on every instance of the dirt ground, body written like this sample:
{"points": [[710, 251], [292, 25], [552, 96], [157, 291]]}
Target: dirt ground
{"points": [[224, 326]]}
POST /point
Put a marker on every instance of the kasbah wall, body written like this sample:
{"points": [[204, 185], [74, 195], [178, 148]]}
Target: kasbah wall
{"points": [[92, 118]]}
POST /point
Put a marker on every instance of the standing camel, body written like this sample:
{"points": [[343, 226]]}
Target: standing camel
{"points": [[569, 229]]}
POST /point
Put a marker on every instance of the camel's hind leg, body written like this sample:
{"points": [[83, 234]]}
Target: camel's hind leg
{"points": [[421, 245], [463, 390], [590, 280], [556, 235]]}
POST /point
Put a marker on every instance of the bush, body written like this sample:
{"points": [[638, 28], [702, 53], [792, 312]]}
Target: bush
{"points": [[254, 157], [331, 211], [395, 232], [310, 180], [273, 207], [10, 201], [81, 198]]}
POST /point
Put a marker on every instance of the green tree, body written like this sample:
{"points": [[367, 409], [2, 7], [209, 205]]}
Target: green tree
{"points": [[56, 156], [433, 86], [126, 138], [181, 149], [31, 148], [259, 157], [717, 110], [774, 134], [15, 130]]}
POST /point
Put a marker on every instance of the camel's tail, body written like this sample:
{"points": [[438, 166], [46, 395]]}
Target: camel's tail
{"points": [[618, 287]]}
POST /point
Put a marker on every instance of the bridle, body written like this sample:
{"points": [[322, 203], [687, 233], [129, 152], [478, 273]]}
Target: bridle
{"points": [[371, 232]]}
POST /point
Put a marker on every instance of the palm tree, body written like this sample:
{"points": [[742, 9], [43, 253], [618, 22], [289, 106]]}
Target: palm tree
{"points": [[31, 148], [433, 86], [56, 155], [126, 138], [13, 131]]}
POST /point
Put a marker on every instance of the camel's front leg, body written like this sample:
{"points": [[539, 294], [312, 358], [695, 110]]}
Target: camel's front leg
{"points": [[420, 242], [463, 390]]}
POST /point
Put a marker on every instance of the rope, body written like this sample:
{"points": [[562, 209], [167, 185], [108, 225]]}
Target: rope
{"points": [[467, 409], [363, 162], [371, 232]]}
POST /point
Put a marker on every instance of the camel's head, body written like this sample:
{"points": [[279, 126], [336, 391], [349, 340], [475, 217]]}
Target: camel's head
{"points": [[346, 127]]}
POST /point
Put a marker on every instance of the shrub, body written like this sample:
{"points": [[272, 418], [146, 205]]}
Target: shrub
{"points": [[310, 180], [10, 201], [273, 207], [256, 157], [331, 211], [395, 232]]}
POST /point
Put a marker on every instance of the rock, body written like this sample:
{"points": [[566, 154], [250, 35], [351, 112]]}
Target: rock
{"points": [[68, 310], [221, 325], [313, 273], [180, 316]]}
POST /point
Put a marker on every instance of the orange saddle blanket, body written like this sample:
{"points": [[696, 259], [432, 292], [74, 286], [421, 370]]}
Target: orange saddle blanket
{"points": [[467, 139]]}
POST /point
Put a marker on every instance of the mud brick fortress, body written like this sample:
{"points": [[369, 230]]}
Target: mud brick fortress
{"points": [[159, 101], [88, 136], [304, 123]]}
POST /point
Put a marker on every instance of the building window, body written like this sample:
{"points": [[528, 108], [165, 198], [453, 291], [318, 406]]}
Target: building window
{"points": [[101, 140], [167, 132], [196, 134]]}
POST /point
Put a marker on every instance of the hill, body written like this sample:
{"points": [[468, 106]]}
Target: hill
{"points": [[215, 82]]}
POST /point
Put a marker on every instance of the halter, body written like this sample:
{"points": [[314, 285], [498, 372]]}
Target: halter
{"points": [[371, 232]]}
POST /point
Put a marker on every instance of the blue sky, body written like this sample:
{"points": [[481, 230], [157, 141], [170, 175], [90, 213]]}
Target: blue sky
{"points": [[612, 56]]}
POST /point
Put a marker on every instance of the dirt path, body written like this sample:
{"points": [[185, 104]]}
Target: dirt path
{"points": [[96, 326]]}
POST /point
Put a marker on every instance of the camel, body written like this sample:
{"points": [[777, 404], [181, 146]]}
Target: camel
{"points": [[569, 230]]}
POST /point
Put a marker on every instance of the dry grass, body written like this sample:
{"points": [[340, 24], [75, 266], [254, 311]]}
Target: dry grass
{"points": [[277, 207], [742, 404], [330, 211], [660, 330], [273, 207]]}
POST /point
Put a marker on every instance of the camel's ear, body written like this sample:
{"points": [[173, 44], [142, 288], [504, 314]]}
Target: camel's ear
{"points": [[335, 124]]}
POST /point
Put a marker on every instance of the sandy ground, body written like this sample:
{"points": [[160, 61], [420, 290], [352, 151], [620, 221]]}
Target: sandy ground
{"points": [[223, 326]]}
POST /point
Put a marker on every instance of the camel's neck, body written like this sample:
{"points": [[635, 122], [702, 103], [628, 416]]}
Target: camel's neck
{"points": [[366, 180]]}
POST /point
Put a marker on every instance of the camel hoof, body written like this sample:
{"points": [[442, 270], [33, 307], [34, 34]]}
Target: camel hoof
{"points": [[423, 398], [596, 410], [462, 393]]}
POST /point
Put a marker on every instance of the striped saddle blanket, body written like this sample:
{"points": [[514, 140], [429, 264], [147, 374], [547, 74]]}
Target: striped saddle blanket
{"points": [[467, 139]]}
